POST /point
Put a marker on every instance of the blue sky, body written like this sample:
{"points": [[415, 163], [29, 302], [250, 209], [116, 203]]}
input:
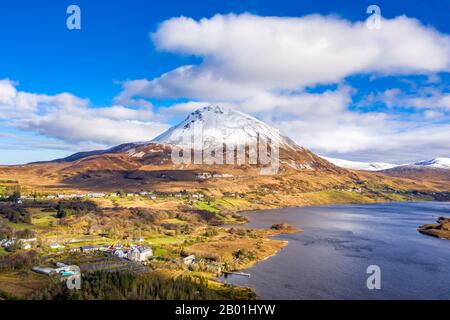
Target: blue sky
{"points": [[40, 56]]}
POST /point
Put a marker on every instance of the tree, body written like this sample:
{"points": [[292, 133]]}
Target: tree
{"points": [[14, 193], [63, 213]]}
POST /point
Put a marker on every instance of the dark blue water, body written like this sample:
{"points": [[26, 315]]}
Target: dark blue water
{"points": [[329, 259]]}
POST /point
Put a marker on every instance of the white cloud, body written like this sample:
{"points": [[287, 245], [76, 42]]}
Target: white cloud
{"points": [[371, 138], [7, 91], [87, 125], [274, 52], [246, 54], [19, 104], [73, 120], [439, 101], [422, 98], [433, 115]]}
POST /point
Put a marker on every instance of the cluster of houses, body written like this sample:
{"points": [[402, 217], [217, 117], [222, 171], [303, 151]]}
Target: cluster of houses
{"points": [[147, 194], [352, 189], [208, 175], [135, 253], [25, 244], [91, 195]]}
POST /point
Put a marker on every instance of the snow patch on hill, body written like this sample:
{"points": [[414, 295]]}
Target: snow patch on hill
{"points": [[357, 165], [438, 163]]}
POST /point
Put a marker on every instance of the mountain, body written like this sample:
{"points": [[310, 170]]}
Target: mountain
{"points": [[212, 126], [437, 170], [356, 165], [440, 163], [147, 165]]}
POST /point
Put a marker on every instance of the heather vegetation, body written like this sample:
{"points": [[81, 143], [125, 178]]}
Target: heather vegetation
{"points": [[15, 213]]}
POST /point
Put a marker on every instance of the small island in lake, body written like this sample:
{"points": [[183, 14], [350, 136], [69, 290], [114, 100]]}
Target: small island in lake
{"points": [[441, 229]]}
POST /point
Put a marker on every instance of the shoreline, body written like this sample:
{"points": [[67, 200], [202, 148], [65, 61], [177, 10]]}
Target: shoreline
{"points": [[267, 237], [270, 237], [338, 204]]}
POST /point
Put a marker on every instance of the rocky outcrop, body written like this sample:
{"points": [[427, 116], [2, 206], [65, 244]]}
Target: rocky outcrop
{"points": [[441, 229]]}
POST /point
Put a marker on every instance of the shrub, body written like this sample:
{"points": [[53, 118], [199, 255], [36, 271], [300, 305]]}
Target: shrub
{"points": [[15, 213], [19, 260], [244, 254], [66, 208]]}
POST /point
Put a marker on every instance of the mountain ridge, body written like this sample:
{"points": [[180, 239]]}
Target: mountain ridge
{"points": [[435, 163]]}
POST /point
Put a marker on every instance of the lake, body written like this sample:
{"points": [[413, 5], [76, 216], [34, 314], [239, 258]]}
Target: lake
{"points": [[329, 259]]}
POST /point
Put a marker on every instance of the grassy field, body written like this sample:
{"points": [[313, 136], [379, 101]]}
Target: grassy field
{"points": [[223, 250], [18, 226], [201, 205], [174, 221], [3, 252], [162, 239], [42, 219], [230, 204], [21, 284], [334, 197], [159, 252]]}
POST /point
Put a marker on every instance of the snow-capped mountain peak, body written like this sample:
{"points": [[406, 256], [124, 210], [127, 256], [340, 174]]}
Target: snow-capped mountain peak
{"points": [[217, 125], [440, 163]]}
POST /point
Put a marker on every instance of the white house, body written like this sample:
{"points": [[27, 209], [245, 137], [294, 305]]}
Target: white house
{"points": [[56, 246], [189, 260], [140, 254], [27, 243], [224, 175], [96, 195], [204, 175], [6, 243], [120, 253]]}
